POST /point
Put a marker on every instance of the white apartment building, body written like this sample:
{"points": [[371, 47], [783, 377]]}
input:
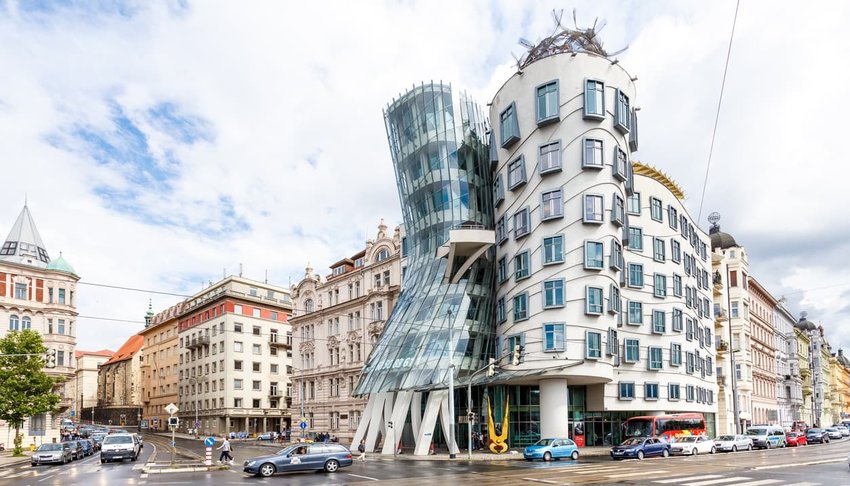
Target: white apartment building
{"points": [[335, 323], [789, 380], [235, 352], [85, 381]]}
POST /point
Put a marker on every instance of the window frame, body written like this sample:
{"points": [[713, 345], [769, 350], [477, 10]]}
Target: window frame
{"points": [[594, 150], [618, 210], [526, 255], [601, 304], [631, 350], [600, 213], [619, 167], [599, 90], [659, 321], [549, 117], [498, 190], [659, 250], [659, 291], [597, 352], [629, 199], [554, 290], [642, 276], [513, 135], [525, 213], [518, 162], [655, 206], [540, 157], [635, 238], [600, 251], [632, 308], [545, 247], [622, 112], [524, 297], [650, 360], [558, 207], [554, 331], [646, 391], [627, 393]]}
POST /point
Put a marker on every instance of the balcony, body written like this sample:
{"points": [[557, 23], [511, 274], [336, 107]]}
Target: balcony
{"points": [[275, 393], [805, 372], [64, 403], [721, 380], [722, 347], [807, 390], [198, 342], [283, 342], [717, 280]]}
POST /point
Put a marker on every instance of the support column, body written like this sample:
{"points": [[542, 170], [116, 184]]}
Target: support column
{"points": [[554, 408]]}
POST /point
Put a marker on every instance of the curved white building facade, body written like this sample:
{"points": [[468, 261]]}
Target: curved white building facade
{"points": [[603, 279]]}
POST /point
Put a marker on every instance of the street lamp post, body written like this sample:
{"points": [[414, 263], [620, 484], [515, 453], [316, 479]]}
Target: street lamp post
{"points": [[452, 454]]}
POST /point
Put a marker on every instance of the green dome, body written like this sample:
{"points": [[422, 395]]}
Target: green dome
{"points": [[61, 265]]}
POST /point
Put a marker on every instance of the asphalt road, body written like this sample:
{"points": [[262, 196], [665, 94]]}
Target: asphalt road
{"points": [[805, 466]]}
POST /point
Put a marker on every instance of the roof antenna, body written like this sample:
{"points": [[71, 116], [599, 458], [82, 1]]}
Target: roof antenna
{"points": [[267, 276], [240, 269]]}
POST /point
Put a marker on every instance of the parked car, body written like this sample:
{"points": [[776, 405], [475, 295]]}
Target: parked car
{"points": [[88, 449], [52, 454], [794, 439], [767, 436], [693, 445], [845, 432], [267, 436], [98, 439], [640, 447], [76, 449], [120, 447], [548, 449], [833, 433], [733, 443], [821, 436], [300, 457]]}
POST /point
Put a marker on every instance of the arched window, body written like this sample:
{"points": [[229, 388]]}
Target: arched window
{"points": [[13, 322], [382, 255], [25, 323], [308, 305]]}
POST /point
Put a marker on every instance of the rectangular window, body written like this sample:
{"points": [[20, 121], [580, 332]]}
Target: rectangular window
{"points": [[237, 383], [552, 204], [619, 168], [633, 203], [675, 251], [659, 253], [627, 390], [549, 157], [673, 217], [635, 313], [501, 313], [594, 99], [593, 345], [616, 260], [734, 312], [635, 275], [593, 208], [256, 349], [521, 266], [650, 391], [659, 322], [553, 293], [654, 358], [521, 307], [593, 301], [521, 223], [622, 112], [660, 285], [237, 365], [501, 230], [675, 354], [632, 351], [553, 249], [553, 337], [237, 346], [594, 255], [689, 390], [655, 210], [516, 173], [618, 215], [508, 126], [498, 190], [547, 103], [614, 305], [61, 293], [689, 363], [677, 285], [503, 269], [673, 391], [60, 326], [635, 238], [677, 320], [593, 153]]}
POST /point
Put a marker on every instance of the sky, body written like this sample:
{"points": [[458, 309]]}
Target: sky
{"points": [[162, 144]]}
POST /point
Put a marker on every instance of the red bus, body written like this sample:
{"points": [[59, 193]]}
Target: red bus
{"points": [[667, 426]]}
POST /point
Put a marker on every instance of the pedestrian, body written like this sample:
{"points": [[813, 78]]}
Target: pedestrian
{"points": [[362, 450], [225, 449]]}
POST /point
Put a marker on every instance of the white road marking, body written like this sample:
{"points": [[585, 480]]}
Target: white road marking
{"points": [[760, 482], [803, 484], [363, 477], [592, 470], [690, 478], [547, 481], [144, 475], [643, 473], [810, 463], [735, 480]]}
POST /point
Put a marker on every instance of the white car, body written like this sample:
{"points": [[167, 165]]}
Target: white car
{"points": [[845, 432], [733, 443], [119, 447], [693, 445]]}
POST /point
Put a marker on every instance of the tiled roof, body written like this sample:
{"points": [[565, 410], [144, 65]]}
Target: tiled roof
{"points": [[102, 352], [128, 349]]}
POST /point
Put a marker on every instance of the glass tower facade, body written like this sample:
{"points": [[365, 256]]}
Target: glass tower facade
{"points": [[438, 143]]}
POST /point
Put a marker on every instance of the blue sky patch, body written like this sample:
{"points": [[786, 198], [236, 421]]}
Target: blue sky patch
{"points": [[167, 118]]}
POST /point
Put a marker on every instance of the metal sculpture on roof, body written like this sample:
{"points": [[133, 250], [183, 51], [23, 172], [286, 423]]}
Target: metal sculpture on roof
{"points": [[564, 39]]}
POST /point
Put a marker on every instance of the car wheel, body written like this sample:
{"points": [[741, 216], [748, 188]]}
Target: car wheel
{"points": [[749, 447], [640, 455], [103, 461], [694, 451], [547, 456], [713, 449], [267, 469], [332, 465], [666, 452], [734, 448], [574, 455]]}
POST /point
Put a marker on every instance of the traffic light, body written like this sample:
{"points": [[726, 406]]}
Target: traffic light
{"points": [[517, 355], [471, 417], [491, 368], [173, 421], [50, 358]]}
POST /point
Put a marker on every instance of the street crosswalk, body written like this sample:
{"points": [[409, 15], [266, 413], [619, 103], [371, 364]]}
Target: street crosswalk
{"points": [[733, 480]]}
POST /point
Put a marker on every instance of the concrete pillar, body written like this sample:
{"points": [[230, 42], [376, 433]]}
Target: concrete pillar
{"points": [[554, 408]]}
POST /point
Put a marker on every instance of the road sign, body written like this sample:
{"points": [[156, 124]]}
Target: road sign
{"points": [[209, 441], [303, 425], [171, 409]]}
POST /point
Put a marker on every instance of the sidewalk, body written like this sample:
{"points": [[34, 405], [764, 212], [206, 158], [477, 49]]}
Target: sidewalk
{"points": [[6, 459]]}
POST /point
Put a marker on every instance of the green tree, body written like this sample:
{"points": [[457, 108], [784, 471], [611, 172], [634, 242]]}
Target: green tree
{"points": [[25, 389]]}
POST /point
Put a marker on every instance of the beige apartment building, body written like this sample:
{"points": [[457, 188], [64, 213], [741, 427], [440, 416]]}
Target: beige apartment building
{"points": [[234, 355], [159, 365], [763, 352], [85, 380], [335, 324]]}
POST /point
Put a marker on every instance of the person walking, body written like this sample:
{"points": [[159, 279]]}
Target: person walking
{"points": [[362, 450], [225, 449]]}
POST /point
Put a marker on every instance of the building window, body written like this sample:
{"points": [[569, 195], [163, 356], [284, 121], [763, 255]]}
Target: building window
{"points": [[553, 249], [237, 346], [620, 166], [593, 345], [616, 261], [21, 292], [654, 358], [549, 157], [553, 292], [655, 210], [622, 113], [673, 391], [503, 269], [618, 216], [677, 285], [635, 313], [659, 253], [660, 285], [593, 300], [675, 354], [734, 308], [593, 208], [553, 337], [689, 390], [633, 203], [501, 314], [594, 99], [14, 323], [237, 365], [522, 265], [509, 126], [521, 307], [552, 204], [677, 320], [256, 349], [547, 103], [650, 391], [593, 255], [501, 230], [592, 157], [627, 390], [675, 251], [498, 190], [635, 275], [516, 173], [659, 324], [256, 385], [521, 223], [237, 327], [237, 383], [673, 217], [635, 238], [614, 305], [632, 350]]}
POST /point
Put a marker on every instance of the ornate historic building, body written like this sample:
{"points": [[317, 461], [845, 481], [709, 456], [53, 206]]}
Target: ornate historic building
{"points": [[159, 365], [119, 385]]}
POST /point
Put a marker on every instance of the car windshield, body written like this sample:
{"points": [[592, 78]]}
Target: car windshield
{"points": [[50, 447], [725, 437], [118, 439], [544, 442], [830, 429], [814, 431], [287, 450], [757, 432], [631, 442], [686, 439]]}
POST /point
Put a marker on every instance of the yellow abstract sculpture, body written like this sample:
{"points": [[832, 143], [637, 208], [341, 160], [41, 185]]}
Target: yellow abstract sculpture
{"points": [[498, 443]]}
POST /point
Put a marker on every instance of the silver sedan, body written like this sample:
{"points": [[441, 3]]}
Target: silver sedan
{"points": [[733, 443]]}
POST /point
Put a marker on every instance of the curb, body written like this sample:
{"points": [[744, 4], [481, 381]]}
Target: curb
{"points": [[198, 468], [16, 462]]}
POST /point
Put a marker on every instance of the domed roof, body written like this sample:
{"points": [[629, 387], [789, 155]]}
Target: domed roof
{"points": [[843, 359], [804, 324], [61, 265], [720, 239]]}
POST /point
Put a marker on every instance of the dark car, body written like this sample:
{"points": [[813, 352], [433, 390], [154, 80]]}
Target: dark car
{"points": [[300, 457], [794, 439], [820, 436], [88, 448], [640, 447], [76, 449], [52, 454]]}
